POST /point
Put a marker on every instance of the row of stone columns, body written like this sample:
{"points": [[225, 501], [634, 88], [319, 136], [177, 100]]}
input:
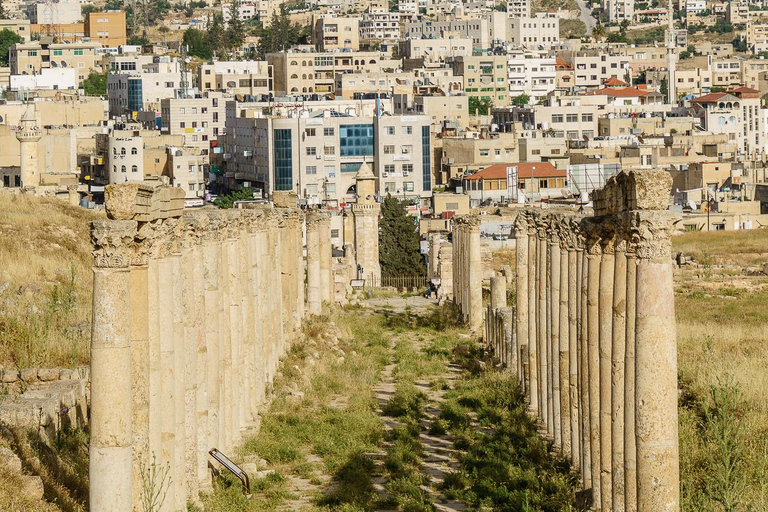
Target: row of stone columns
{"points": [[190, 316], [320, 281], [467, 270], [594, 328]]}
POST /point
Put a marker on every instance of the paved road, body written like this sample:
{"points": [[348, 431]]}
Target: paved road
{"points": [[586, 16]]}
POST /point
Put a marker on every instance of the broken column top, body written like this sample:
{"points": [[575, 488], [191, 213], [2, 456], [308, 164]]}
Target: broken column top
{"points": [[633, 190], [143, 202]]}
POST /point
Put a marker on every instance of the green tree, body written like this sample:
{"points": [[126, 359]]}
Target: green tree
{"points": [[480, 107], [3, 12], [198, 44], [281, 34], [598, 32], [228, 201], [95, 84], [521, 100], [7, 39], [138, 40], [398, 241], [664, 87], [234, 37], [215, 33]]}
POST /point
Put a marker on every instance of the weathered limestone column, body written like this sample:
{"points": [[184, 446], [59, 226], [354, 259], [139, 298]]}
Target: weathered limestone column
{"points": [[533, 318], [617, 372], [178, 469], [326, 268], [554, 313], [475, 274], [574, 320], [314, 269], [658, 470], [200, 376], [583, 346], [111, 437], [630, 450], [564, 348], [498, 292], [593, 365], [606, 342], [498, 301], [212, 301], [521, 288], [545, 394]]}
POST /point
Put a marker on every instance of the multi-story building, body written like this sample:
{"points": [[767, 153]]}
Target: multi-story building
{"points": [[246, 77], [334, 32], [446, 111], [302, 72], [737, 12], [472, 152], [757, 37], [54, 13], [318, 156], [197, 120], [435, 50], [591, 71], [30, 58], [133, 92], [619, 10], [485, 77], [738, 114], [519, 8], [373, 85], [246, 11], [540, 30], [476, 29], [19, 27], [106, 28], [378, 25], [535, 77]]}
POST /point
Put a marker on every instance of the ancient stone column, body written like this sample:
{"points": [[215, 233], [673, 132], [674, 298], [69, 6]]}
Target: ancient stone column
{"points": [[314, 269], [617, 374], [656, 428], [541, 321], [326, 253], [178, 469], [593, 366], [475, 274], [630, 458], [583, 347], [521, 287], [574, 303], [211, 274], [139, 310], [564, 351], [554, 354], [605, 345], [533, 318], [498, 301], [110, 464]]}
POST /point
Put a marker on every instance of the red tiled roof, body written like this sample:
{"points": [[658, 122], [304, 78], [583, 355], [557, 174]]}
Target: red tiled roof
{"points": [[614, 81], [524, 170], [709, 98], [561, 64], [743, 89], [626, 92]]}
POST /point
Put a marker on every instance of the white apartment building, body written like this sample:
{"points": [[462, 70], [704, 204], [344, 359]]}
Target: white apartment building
{"points": [[519, 8], [319, 155], [542, 31], [245, 77], [535, 77], [136, 91], [62, 13], [198, 120], [757, 37], [48, 79], [333, 32], [436, 50], [619, 10], [695, 6], [739, 115], [246, 11], [383, 26], [591, 71]]}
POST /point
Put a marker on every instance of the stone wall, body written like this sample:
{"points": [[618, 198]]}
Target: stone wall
{"points": [[192, 311], [592, 339]]}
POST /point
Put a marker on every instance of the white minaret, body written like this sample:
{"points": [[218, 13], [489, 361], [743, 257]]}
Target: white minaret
{"points": [[671, 57], [28, 136]]}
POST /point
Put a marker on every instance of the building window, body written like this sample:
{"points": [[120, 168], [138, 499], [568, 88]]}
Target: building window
{"points": [[407, 130], [122, 168], [389, 168], [543, 183], [329, 150], [78, 52], [309, 132], [182, 124], [408, 185], [484, 152], [356, 140], [311, 170], [407, 168], [557, 118], [135, 168], [182, 110], [329, 132], [284, 159], [587, 118], [389, 150], [572, 118], [311, 151], [389, 130], [134, 151]]}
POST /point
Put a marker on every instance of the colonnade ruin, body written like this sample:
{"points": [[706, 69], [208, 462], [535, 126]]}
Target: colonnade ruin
{"points": [[592, 336], [192, 310]]}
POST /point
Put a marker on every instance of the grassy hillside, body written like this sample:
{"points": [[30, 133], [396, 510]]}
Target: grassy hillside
{"points": [[722, 333], [45, 282]]}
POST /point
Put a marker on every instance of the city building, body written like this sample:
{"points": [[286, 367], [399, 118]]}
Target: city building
{"points": [[335, 32]]}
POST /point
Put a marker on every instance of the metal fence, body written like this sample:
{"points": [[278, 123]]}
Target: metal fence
{"points": [[399, 282]]}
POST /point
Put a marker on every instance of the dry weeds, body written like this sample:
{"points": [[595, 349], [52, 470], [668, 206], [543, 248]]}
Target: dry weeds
{"points": [[744, 248], [45, 284]]}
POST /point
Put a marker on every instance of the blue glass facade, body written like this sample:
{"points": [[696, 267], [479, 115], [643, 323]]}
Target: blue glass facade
{"points": [[356, 139], [426, 159], [135, 94], [351, 166], [283, 159]]}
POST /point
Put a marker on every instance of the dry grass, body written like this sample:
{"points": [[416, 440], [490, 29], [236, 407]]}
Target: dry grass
{"points": [[13, 500], [501, 257], [744, 248], [722, 333], [45, 285]]}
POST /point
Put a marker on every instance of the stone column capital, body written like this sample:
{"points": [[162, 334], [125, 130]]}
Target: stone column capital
{"points": [[521, 224], [651, 233], [114, 243]]}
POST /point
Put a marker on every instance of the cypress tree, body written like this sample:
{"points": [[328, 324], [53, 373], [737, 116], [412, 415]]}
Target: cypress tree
{"points": [[398, 241]]}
